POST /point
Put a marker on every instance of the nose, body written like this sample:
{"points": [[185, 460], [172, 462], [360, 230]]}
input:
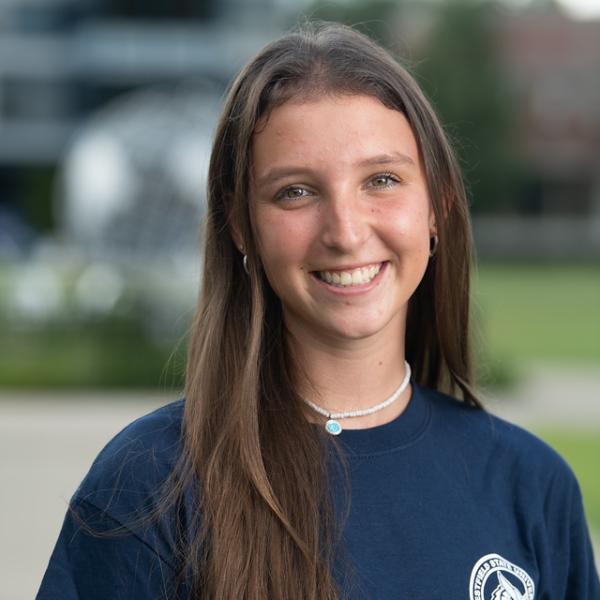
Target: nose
{"points": [[345, 225]]}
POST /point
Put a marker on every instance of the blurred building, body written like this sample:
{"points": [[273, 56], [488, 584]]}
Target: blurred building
{"points": [[550, 64], [106, 114], [62, 59], [554, 65]]}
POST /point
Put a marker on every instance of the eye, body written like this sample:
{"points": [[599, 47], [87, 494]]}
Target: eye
{"points": [[383, 180], [293, 193]]}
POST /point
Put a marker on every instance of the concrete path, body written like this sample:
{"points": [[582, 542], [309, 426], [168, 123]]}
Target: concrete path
{"points": [[48, 441], [552, 395]]}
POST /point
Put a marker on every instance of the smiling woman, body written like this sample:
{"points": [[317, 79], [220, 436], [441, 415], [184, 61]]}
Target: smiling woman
{"points": [[336, 294]]}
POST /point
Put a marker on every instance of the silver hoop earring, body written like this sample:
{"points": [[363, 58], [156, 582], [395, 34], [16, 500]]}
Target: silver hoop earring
{"points": [[244, 260], [433, 244]]}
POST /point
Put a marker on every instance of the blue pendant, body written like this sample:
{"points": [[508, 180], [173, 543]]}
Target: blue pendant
{"points": [[333, 427]]}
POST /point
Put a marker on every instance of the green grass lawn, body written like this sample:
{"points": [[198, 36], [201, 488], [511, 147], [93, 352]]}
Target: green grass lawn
{"points": [[582, 451], [542, 313], [522, 312]]}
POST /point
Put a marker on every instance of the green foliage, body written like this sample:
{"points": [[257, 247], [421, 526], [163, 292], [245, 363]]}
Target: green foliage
{"points": [[456, 65], [36, 187], [460, 74], [107, 353]]}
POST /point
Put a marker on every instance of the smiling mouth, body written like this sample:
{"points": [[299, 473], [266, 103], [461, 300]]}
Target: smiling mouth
{"points": [[350, 278]]}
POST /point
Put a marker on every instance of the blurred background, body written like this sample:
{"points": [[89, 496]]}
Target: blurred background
{"points": [[107, 109]]}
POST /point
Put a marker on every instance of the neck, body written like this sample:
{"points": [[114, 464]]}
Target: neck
{"points": [[353, 375]]}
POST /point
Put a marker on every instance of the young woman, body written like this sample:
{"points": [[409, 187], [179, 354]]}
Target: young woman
{"points": [[330, 444]]}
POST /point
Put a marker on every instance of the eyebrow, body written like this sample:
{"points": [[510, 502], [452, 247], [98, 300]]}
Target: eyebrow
{"points": [[386, 159], [392, 158]]}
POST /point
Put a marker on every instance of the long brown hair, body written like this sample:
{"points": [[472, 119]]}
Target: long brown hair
{"points": [[267, 528]]}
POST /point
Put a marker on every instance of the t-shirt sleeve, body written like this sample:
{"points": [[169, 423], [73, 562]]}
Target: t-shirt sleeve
{"points": [[96, 557], [582, 581], [569, 550], [548, 509], [119, 540]]}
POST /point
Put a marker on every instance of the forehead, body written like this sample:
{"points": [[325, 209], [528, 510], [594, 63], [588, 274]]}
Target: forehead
{"points": [[340, 128]]}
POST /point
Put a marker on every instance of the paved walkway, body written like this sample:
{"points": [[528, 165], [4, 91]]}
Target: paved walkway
{"points": [[47, 442], [551, 395]]}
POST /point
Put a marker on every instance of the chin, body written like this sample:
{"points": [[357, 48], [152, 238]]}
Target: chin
{"points": [[355, 332]]}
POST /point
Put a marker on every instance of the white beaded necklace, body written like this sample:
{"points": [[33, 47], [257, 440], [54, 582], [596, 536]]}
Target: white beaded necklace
{"points": [[333, 426]]}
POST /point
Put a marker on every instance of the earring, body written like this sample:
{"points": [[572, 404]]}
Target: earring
{"points": [[245, 260], [433, 244]]}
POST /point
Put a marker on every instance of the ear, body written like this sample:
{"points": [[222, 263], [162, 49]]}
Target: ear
{"points": [[235, 232], [432, 221]]}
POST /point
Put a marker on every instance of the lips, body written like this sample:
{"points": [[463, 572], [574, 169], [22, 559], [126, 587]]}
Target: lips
{"points": [[350, 277]]}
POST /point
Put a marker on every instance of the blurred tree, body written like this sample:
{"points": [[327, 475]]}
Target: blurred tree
{"points": [[455, 64], [36, 185], [459, 72]]}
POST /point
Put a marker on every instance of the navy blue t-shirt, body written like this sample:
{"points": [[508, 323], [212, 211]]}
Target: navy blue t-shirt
{"points": [[447, 502]]}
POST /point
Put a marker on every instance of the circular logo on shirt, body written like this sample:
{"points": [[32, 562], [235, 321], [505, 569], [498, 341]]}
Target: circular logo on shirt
{"points": [[495, 578]]}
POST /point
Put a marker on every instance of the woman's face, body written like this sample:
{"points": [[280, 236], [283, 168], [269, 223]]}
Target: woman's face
{"points": [[342, 215]]}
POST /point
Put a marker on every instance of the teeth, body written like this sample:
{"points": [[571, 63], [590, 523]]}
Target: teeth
{"points": [[347, 278]]}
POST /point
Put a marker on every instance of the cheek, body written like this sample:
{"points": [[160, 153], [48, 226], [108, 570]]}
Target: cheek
{"points": [[408, 230], [282, 237], [277, 251]]}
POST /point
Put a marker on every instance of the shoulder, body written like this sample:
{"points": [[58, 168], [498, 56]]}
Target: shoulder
{"points": [[119, 538], [502, 447], [521, 489], [131, 469]]}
